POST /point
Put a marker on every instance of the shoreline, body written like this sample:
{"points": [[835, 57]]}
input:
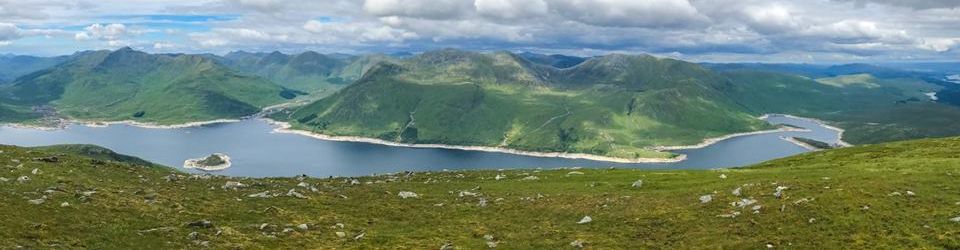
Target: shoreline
{"points": [[800, 143], [285, 128], [822, 123]]}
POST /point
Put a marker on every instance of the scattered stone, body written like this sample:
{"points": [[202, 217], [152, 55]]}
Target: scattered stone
{"points": [[36, 171], [341, 234], [574, 173], [895, 194], [37, 201], [447, 246], [736, 192], [467, 193], [65, 204], [500, 177], [492, 244], [955, 219], [865, 207], [234, 185], [723, 176], [263, 226], [407, 194], [303, 227], [264, 194], [706, 198], [294, 193], [637, 184], [359, 236], [50, 159], [287, 230], [911, 193], [585, 220], [201, 224], [354, 182], [577, 243], [482, 203], [23, 179], [811, 220], [756, 209], [742, 203], [802, 201], [193, 236], [171, 178], [4, 179], [779, 192], [530, 178], [733, 214]]}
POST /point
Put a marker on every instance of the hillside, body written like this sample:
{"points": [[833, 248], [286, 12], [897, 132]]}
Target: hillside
{"points": [[130, 85], [12, 66], [898, 195], [309, 71], [617, 105]]}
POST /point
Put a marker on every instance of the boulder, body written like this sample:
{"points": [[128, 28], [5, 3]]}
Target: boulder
{"points": [[407, 194]]}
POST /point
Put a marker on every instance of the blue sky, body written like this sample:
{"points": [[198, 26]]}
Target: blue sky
{"points": [[701, 30]]}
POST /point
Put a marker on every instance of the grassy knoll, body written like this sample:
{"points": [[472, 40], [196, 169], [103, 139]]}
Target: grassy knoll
{"points": [[886, 196]]}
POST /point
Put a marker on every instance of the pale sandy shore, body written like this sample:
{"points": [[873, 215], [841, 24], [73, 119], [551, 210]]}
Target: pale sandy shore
{"points": [[840, 131], [100, 124], [283, 127], [799, 143]]}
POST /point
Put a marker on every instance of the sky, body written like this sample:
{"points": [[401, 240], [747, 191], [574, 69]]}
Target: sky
{"points": [[699, 30]]}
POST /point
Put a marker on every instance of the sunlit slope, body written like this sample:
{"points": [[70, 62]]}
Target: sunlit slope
{"points": [[607, 106]]}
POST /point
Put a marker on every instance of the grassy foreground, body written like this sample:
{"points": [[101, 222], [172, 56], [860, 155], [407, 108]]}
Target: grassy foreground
{"points": [[897, 195]]}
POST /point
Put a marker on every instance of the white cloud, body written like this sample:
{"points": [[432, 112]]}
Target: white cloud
{"points": [[630, 13], [109, 32], [857, 32], [427, 9], [9, 31], [511, 9]]}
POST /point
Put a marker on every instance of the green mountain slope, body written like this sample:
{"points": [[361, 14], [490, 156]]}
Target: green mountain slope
{"points": [[308, 71], [889, 196], [616, 105], [12, 67], [132, 85]]}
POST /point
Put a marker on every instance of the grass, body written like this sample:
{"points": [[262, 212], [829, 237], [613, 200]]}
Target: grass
{"points": [[823, 206]]}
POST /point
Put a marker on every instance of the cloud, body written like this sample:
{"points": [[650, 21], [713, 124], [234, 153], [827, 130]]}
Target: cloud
{"points": [[109, 32], [630, 13], [913, 4], [426, 9], [9, 32], [511, 9]]}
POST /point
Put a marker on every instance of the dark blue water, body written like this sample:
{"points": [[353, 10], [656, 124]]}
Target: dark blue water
{"points": [[257, 152]]}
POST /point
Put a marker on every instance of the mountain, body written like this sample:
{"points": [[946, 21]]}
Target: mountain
{"points": [[887, 196], [554, 60], [307, 72], [131, 85], [616, 105], [13, 66]]}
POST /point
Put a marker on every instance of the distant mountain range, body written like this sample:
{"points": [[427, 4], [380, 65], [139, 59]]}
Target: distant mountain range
{"points": [[613, 105]]}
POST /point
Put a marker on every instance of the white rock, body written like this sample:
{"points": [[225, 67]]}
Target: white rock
{"points": [[723, 176], [911, 193], [779, 191], [407, 194], [706, 198], [530, 178], [482, 203], [955, 219], [742, 203], [303, 185], [577, 244], [895, 194], [294, 193], [64, 204], [233, 185], [811, 220], [492, 244], [4, 179], [637, 184], [736, 192], [733, 214], [341, 234], [264, 194], [500, 177], [756, 209], [574, 173], [467, 193], [23, 179], [37, 201], [303, 227], [585, 220], [35, 171], [359, 236]]}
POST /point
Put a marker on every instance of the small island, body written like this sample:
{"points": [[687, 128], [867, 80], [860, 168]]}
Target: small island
{"points": [[214, 162]]}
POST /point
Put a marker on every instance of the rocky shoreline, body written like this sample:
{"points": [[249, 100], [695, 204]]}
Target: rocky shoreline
{"points": [[196, 163]]}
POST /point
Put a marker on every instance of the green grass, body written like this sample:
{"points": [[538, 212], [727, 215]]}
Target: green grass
{"points": [[831, 187], [132, 85], [463, 98]]}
